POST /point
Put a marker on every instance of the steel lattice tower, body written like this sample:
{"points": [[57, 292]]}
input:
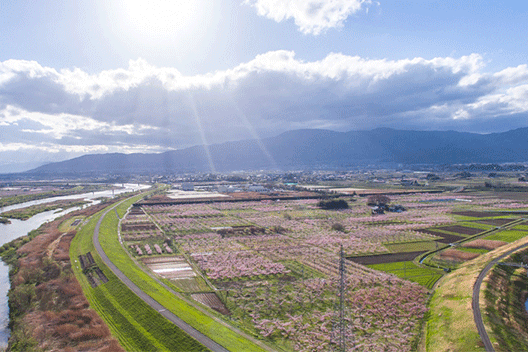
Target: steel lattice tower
{"points": [[339, 325]]}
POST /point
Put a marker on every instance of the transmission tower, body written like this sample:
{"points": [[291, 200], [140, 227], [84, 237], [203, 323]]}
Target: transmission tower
{"points": [[339, 324]]}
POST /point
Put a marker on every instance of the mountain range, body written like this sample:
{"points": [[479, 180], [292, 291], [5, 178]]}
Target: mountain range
{"points": [[315, 149]]}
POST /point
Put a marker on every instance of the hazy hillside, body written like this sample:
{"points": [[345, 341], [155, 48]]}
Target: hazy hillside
{"points": [[314, 149]]}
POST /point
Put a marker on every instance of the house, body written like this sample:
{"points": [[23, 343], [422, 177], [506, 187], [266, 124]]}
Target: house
{"points": [[257, 188], [378, 210], [187, 186]]}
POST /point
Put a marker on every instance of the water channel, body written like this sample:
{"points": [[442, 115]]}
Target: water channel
{"points": [[18, 228]]}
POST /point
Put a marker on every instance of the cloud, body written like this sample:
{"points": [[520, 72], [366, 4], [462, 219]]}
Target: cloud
{"points": [[143, 107], [62, 125], [311, 16]]}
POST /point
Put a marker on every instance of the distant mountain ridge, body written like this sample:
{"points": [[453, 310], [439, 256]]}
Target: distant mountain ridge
{"points": [[313, 149]]}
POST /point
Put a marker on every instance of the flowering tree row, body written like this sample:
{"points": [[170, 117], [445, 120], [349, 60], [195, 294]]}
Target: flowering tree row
{"points": [[380, 317], [148, 250], [229, 265]]}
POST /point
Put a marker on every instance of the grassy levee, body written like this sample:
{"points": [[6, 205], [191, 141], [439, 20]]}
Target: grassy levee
{"points": [[450, 325], [136, 325], [200, 321], [505, 294]]}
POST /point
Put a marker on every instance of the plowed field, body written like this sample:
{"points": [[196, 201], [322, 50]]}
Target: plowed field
{"points": [[385, 258], [211, 300]]}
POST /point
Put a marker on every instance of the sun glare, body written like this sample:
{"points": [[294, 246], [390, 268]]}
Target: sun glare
{"points": [[158, 22], [161, 17]]}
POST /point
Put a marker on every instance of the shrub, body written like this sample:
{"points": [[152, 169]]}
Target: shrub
{"points": [[338, 227], [378, 199], [333, 204]]}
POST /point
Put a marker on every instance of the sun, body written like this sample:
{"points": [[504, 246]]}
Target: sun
{"points": [[161, 17]]}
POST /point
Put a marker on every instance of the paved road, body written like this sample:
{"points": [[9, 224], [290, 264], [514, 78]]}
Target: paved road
{"points": [[204, 340], [476, 292]]}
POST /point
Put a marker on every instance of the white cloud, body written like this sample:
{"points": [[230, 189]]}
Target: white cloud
{"points": [[61, 125], [143, 105], [77, 149], [311, 16]]}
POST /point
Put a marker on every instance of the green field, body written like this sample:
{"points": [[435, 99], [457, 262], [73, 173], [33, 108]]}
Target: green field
{"points": [[137, 326], [507, 236], [410, 271]]}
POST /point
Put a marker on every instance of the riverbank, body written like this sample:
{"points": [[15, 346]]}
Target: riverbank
{"points": [[8, 200], [47, 307], [28, 212]]}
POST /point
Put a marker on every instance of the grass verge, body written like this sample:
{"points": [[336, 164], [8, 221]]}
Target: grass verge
{"points": [[137, 326]]}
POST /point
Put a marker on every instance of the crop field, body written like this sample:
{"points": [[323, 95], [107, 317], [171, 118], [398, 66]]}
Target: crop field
{"points": [[461, 230], [271, 267], [412, 246], [410, 271], [508, 236], [496, 222], [386, 258], [484, 244]]}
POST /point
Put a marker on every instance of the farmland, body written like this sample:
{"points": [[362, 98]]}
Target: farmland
{"points": [[271, 267], [136, 326], [257, 271]]}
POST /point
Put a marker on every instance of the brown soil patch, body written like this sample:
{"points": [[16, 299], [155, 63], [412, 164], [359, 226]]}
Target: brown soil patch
{"points": [[445, 237], [146, 226], [455, 254], [484, 244], [478, 214], [211, 300], [495, 222], [385, 258], [462, 230]]}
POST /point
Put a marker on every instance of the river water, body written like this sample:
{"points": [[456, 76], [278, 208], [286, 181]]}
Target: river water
{"points": [[18, 228]]}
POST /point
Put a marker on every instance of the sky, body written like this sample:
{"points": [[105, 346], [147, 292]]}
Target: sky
{"points": [[82, 77]]}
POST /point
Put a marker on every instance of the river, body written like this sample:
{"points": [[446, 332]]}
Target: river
{"points": [[18, 228]]}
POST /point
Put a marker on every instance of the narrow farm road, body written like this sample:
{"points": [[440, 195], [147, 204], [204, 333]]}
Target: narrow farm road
{"points": [[476, 293], [204, 340]]}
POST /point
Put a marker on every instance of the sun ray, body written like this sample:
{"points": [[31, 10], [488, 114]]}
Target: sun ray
{"points": [[202, 134], [253, 133]]}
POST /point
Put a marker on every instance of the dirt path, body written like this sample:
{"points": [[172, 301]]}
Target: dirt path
{"points": [[476, 293], [206, 341]]}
